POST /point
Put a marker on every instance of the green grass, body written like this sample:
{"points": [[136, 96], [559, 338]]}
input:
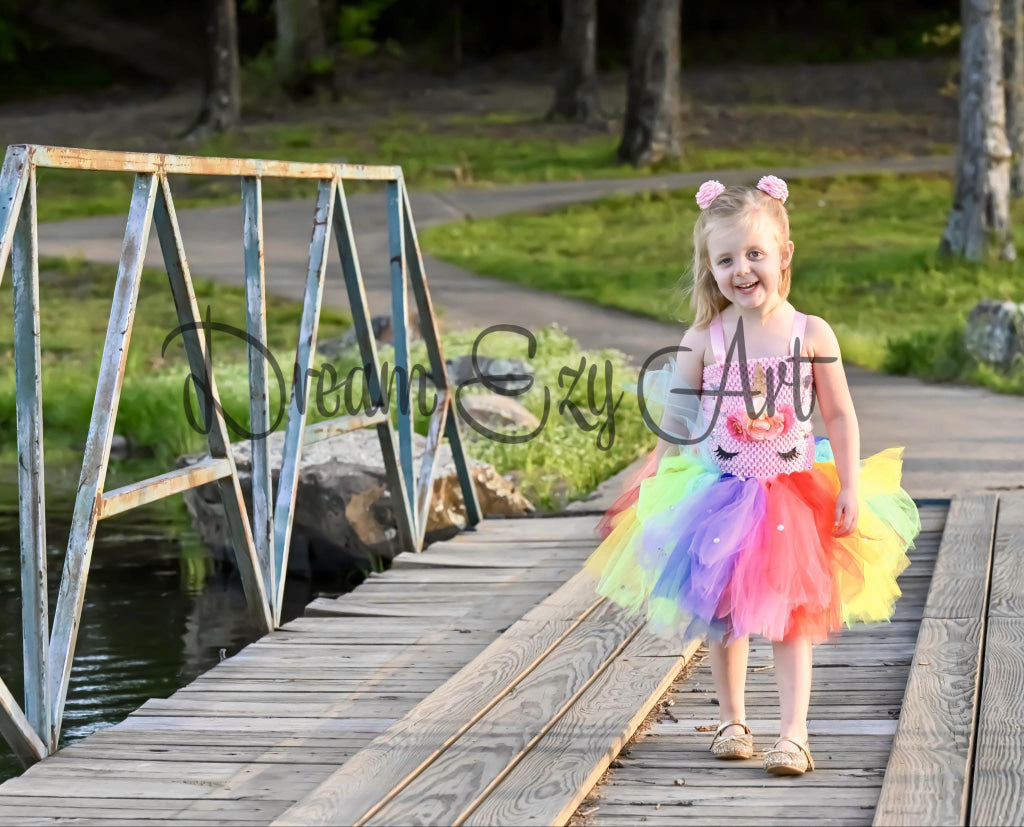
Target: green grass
{"points": [[559, 465], [865, 261], [563, 462], [75, 303], [464, 150]]}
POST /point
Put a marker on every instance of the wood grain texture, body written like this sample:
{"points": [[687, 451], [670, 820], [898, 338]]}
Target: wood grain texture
{"points": [[452, 785], [389, 762], [961, 580], [1007, 597], [997, 797], [577, 750], [35, 624], [293, 707], [927, 776]]}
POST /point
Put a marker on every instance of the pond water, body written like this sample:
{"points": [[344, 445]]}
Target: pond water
{"points": [[158, 612]]}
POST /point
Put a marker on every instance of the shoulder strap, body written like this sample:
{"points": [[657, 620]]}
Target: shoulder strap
{"points": [[799, 329], [718, 338]]}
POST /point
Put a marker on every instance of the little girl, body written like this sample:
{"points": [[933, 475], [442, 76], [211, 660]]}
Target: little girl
{"points": [[754, 525]]}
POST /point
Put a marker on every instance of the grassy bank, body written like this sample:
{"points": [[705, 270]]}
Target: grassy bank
{"points": [[479, 150], [559, 465], [865, 261]]}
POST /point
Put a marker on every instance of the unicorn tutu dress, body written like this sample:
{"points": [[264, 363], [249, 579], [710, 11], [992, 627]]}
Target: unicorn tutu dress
{"points": [[734, 534]]}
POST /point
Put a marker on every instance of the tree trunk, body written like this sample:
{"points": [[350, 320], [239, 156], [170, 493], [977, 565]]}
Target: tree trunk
{"points": [[576, 97], [981, 197], [652, 126], [222, 92], [301, 54], [1013, 78]]}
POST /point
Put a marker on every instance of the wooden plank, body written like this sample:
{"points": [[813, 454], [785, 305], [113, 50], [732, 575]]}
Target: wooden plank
{"points": [[997, 795], [35, 614], [699, 812], [400, 333], [477, 575], [291, 727], [61, 157], [522, 530], [295, 778], [350, 268], [14, 177], [425, 482], [156, 488], [525, 558], [201, 371], [961, 579], [1007, 598], [441, 718], [145, 808], [322, 607], [438, 368], [259, 394], [17, 731], [97, 450], [291, 457], [453, 784], [172, 740], [577, 750], [928, 776], [256, 754]]}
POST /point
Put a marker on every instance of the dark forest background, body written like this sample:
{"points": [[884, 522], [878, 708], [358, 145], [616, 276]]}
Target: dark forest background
{"points": [[52, 46]]}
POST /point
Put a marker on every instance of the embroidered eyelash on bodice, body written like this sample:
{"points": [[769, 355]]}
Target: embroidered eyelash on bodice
{"points": [[763, 446]]}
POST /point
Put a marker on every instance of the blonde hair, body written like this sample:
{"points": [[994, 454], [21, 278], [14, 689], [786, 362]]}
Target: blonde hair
{"points": [[736, 203]]}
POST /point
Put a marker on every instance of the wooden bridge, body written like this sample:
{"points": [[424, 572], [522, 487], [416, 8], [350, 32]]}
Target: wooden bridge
{"points": [[482, 682]]}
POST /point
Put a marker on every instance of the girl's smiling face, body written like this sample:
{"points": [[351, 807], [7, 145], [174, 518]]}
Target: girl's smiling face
{"points": [[747, 260]]}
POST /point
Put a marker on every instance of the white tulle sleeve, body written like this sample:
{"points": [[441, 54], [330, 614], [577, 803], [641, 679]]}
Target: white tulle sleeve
{"points": [[672, 408]]}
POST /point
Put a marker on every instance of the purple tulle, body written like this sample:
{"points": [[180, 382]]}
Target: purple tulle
{"points": [[701, 537]]}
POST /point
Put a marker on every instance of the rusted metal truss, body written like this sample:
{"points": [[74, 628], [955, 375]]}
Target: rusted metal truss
{"points": [[260, 543]]}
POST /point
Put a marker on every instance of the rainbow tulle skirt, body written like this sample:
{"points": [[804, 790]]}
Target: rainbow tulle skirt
{"points": [[703, 552]]}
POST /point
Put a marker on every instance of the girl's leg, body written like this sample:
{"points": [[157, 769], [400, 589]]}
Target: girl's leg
{"points": [[729, 669], [793, 677]]}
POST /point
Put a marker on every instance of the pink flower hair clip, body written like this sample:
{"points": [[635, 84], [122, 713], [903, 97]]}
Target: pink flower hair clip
{"points": [[775, 187], [708, 192]]}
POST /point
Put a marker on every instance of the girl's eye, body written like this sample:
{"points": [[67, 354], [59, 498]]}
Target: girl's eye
{"points": [[755, 253], [790, 454], [723, 454], [725, 261]]}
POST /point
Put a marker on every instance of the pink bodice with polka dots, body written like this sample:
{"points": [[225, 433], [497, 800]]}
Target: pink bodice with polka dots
{"points": [[759, 446]]}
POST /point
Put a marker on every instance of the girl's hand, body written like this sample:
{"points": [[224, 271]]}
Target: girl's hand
{"points": [[847, 509]]}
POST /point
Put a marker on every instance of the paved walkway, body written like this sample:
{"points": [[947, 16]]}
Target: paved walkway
{"points": [[956, 438]]}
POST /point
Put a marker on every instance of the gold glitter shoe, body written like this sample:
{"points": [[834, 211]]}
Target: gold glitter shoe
{"points": [[731, 747], [782, 762]]}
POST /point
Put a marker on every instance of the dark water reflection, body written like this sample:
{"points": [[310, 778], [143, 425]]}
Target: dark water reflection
{"points": [[157, 610]]}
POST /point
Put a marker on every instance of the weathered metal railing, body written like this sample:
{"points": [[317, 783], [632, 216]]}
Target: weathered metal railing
{"points": [[261, 547]]}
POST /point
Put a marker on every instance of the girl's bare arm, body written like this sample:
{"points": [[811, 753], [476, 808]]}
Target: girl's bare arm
{"points": [[835, 401]]}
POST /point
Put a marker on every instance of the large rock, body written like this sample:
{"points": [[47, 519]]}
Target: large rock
{"points": [[383, 331], [503, 373], [496, 413], [343, 507], [994, 332]]}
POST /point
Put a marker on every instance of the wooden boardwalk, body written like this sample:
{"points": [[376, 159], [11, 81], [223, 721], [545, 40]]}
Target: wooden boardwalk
{"points": [[483, 682], [667, 776]]}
